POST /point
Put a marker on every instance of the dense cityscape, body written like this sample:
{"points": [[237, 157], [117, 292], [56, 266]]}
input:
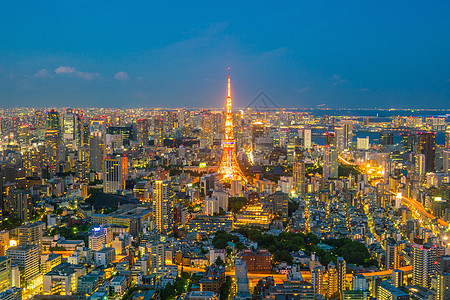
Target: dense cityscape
{"points": [[252, 203]]}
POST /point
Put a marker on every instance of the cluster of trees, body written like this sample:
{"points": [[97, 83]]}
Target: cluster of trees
{"points": [[346, 170], [221, 239], [281, 247], [180, 286], [10, 223], [312, 170], [236, 204], [225, 289], [292, 206], [353, 252]]}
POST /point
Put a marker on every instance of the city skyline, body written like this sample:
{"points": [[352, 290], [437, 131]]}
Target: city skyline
{"points": [[142, 55]]}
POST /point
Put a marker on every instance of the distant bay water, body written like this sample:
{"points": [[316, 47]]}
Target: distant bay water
{"points": [[376, 115]]}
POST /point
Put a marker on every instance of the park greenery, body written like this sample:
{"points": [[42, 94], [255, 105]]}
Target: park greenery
{"points": [[236, 204], [179, 287], [286, 243], [346, 170]]}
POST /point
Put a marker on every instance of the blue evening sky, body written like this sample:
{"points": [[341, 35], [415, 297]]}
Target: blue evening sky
{"points": [[176, 53]]}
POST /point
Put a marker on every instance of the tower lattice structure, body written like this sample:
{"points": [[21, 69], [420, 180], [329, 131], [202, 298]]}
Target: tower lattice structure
{"points": [[229, 167]]}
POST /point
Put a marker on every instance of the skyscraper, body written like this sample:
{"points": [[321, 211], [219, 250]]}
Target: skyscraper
{"points": [[229, 167], [408, 140], [333, 278], [330, 162], [52, 121], [27, 259], [347, 125], [5, 273], [241, 278], [420, 164], [69, 129], [163, 199], [31, 234], [52, 150], [307, 138], [446, 161], [339, 138], [96, 145], [447, 137], [443, 278], [142, 130], [386, 138], [342, 273], [423, 261], [426, 145], [392, 257], [20, 205], [115, 173], [397, 278], [317, 280], [298, 174]]}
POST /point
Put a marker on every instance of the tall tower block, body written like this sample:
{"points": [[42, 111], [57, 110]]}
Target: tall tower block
{"points": [[229, 167]]}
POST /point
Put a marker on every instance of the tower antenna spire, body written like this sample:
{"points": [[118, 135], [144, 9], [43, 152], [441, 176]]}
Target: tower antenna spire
{"points": [[229, 84]]}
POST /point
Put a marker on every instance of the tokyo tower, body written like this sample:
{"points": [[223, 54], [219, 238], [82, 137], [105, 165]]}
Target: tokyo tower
{"points": [[229, 167]]}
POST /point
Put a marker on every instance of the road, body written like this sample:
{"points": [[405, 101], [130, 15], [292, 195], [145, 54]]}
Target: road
{"points": [[419, 207]]}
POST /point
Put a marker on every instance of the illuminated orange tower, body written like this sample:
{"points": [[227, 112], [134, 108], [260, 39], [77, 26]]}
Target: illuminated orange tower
{"points": [[229, 167]]}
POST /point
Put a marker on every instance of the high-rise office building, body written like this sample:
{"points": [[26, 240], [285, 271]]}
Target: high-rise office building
{"points": [[341, 268], [333, 278], [392, 257], [157, 256], [426, 144], [20, 204], [51, 145], [420, 164], [158, 129], [69, 129], [31, 234], [52, 121], [307, 138], [142, 131], [347, 125], [386, 138], [241, 279], [397, 278], [360, 283], [5, 273], [389, 292], [330, 139], [330, 162], [443, 278], [258, 130], [298, 174], [115, 173], [362, 143], [317, 280], [339, 138], [163, 201], [446, 161], [280, 203], [447, 137], [97, 148], [408, 140], [27, 259], [376, 281], [423, 261]]}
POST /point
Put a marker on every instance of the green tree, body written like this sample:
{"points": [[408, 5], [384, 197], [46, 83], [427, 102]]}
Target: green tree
{"points": [[168, 292]]}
